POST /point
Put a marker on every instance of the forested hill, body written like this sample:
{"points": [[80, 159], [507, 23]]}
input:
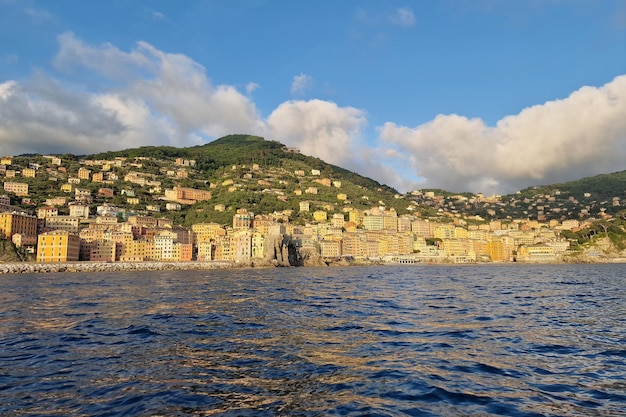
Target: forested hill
{"points": [[245, 150], [603, 186]]}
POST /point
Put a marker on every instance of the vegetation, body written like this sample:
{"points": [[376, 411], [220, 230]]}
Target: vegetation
{"points": [[263, 176], [613, 229], [600, 186]]}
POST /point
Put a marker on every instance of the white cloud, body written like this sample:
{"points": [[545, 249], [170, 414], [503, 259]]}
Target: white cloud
{"points": [[319, 128], [158, 15], [251, 87], [105, 60], [560, 140], [301, 83], [332, 133], [173, 85], [181, 91], [42, 116], [149, 97], [38, 15], [403, 16]]}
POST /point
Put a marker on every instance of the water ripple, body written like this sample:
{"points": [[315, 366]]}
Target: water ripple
{"points": [[524, 341]]}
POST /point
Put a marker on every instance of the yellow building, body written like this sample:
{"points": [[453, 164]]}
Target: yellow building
{"points": [[58, 246], [29, 173], [497, 251], [390, 222], [356, 216], [536, 253], [320, 215], [97, 177], [47, 211], [102, 251], [460, 233], [205, 251], [330, 248], [444, 231], [456, 247], [374, 222], [258, 244], [139, 250], [184, 195], [14, 223], [205, 232]]}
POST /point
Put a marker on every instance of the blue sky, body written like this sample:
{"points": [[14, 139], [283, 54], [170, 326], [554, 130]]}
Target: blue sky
{"points": [[468, 95]]}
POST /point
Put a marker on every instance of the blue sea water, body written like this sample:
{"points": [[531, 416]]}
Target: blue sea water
{"points": [[488, 340]]}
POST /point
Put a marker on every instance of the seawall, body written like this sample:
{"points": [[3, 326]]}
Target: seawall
{"points": [[34, 268]]}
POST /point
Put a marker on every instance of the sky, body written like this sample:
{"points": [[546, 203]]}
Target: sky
{"points": [[483, 96]]}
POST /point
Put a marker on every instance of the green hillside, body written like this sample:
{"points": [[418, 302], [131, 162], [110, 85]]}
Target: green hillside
{"points": [[242, 150], [602, 186], [271, 187], [264, 176]]}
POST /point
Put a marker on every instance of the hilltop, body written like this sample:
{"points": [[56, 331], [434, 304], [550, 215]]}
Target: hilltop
{"points": [[239, 171]]}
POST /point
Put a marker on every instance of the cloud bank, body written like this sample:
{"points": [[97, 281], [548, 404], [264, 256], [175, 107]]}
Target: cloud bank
{"points": [[583, 134], [149, 97]]}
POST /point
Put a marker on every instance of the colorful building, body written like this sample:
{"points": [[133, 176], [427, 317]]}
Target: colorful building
{"points": [[58, 246]]}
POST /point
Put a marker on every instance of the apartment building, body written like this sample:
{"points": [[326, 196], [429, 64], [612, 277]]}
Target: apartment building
{"points": [[79, 210], [58, 246], [47, 211], [184, 195], [243, 219], [29, 173], [67, 223], [205, 232], [373, 222], [17, 188], [12, 223], [84, 173]]}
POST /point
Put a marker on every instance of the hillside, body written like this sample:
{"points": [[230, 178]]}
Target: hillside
{"points": [[602, 186], [239, 177], [240, 171], [9, 253], [244, 150], [264, 176]]}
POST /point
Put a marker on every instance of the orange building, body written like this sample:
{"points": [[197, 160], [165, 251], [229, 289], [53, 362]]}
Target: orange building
{"points": [[185, 195], [84, 173], [58, 246]]}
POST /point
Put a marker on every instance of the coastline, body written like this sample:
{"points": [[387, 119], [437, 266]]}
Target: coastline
{"points": [[85, 266], [37, 268]]}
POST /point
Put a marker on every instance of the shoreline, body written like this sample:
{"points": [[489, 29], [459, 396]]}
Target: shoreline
{"points": [[85, 266], [38, 268]]}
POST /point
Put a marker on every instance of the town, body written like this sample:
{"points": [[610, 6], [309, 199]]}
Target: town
{"points": [[124, 210]]}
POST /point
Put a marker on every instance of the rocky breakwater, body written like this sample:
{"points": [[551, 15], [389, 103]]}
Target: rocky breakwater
{"points": [[35, 268]]}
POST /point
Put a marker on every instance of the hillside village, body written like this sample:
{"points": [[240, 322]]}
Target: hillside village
{"points": [[60, 208]]}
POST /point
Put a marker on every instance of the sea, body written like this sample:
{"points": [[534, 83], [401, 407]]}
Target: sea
{"points": [[413, 340]]}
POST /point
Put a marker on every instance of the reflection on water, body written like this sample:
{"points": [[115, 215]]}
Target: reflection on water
{"points": [[417, 340]]}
